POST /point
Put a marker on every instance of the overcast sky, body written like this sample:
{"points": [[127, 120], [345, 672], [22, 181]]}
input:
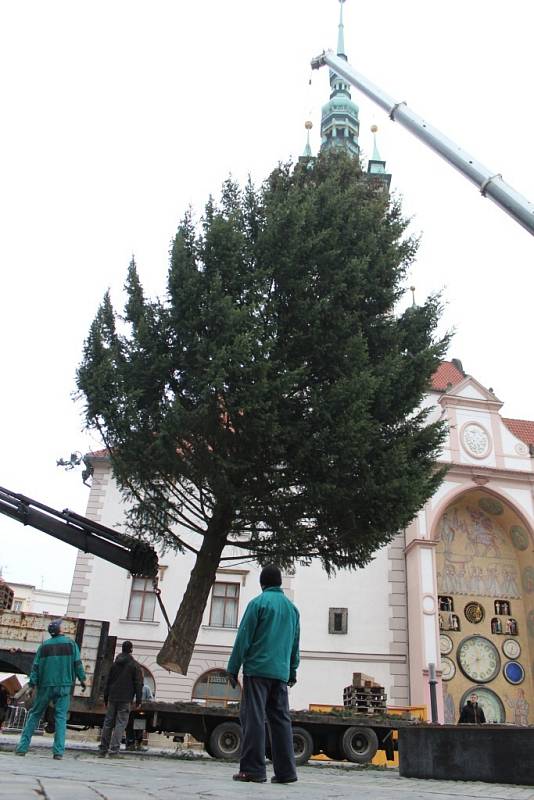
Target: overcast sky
{"points": [[117, 115]]}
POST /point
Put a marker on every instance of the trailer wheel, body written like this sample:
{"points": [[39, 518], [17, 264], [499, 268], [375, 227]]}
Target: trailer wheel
{"points": [[302, 745], [359, 744], [225, 740]]}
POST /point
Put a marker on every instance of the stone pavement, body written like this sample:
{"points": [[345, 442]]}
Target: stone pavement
{"points": [[83, 776]]}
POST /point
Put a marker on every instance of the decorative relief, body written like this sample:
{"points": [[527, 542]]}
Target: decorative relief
{"points": [[519, 537], [476, 440], [521, 449]]}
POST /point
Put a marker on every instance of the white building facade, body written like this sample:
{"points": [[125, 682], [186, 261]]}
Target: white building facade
{"points": [[471, 547]]}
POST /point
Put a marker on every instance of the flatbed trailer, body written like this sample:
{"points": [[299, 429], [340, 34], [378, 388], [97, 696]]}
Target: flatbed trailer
{"points": [[341, 735], [338, 735]]}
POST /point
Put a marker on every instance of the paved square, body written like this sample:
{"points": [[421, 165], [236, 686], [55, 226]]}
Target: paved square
{"points": [[83, 776]]}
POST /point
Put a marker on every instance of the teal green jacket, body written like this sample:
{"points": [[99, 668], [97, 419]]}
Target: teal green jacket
{"points": [[57, 663], [267, 642]]}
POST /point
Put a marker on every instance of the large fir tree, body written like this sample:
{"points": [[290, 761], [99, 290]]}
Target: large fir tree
{"points": [[272, 401]]}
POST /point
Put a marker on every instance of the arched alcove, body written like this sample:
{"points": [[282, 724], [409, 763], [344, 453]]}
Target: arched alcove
{"points": [[213, 689], [485, 578]]}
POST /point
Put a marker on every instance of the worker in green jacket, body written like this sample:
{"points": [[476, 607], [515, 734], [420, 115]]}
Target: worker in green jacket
{"points": [[267, 646], [55, 668]]}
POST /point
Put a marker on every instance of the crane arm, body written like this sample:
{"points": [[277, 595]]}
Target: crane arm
{"points": [[489, 183], [133, 555]]}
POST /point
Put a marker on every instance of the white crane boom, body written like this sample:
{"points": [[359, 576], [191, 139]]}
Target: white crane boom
{"points": [[489, 183]]}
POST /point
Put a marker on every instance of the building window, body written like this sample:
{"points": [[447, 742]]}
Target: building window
{"points": [[213, 689], [338, 620], [224, 605], [148, 680], [142, 600], [17, 605]]}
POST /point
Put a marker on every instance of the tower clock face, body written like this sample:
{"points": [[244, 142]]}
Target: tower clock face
{"points": [[479, 659]]}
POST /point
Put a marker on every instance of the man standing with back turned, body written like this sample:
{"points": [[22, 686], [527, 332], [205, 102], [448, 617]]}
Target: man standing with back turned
{"points": [[125, 681], [56, 666], [267, 645]]}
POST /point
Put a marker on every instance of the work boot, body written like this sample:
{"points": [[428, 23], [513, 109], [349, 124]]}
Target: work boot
{"points": [[58, 757]]}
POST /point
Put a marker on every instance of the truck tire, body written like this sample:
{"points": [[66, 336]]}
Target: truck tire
{"points": [[302, 745], [359, 744], [225, 741]]}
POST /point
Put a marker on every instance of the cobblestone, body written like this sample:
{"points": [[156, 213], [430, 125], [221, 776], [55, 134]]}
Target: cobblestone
{"points": [[83, 776]]}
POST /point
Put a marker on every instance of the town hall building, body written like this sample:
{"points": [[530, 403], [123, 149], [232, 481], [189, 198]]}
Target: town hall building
{"points": [[455, 589]]}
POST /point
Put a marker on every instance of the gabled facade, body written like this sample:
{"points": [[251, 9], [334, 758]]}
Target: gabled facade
{"points": [[470, 559], [455, 589]]}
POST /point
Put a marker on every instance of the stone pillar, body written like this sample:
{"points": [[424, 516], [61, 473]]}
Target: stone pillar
{"points": [[423, 619]]}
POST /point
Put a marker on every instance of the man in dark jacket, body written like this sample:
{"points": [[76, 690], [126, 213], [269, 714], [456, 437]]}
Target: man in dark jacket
{"points": [[472, 712], [125, 682], [267, 645], [55, 668]]}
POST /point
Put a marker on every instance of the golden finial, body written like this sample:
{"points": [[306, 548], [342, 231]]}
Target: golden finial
{"points": [[308, 125], [374, 128]]}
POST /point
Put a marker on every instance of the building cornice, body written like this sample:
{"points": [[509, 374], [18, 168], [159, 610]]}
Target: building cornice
{"points": [[419, 543], [482, 475]]}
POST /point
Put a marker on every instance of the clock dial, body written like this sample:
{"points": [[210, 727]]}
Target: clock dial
{"points": [[479, 659], [511, 648], [445, 644], [490, 703], [448, 669], [514, 672], [474, 612]]}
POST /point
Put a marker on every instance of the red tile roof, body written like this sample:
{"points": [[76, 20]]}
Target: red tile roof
{"points": [[99, 453], [447, 373], [522, 428]]}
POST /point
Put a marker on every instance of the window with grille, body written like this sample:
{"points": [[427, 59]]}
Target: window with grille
{"points": [[142, 600], [338, 620], [224, 605], [213, 689]]}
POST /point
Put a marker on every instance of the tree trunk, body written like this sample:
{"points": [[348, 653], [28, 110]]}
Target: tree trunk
{"points": [[178, 647]]}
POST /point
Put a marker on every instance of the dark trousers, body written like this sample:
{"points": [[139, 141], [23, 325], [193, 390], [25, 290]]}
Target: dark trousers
{"points": [[266, 698], [114, 724]]}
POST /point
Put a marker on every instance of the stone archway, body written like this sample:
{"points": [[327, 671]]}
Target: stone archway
{"points": [[485, 583]]}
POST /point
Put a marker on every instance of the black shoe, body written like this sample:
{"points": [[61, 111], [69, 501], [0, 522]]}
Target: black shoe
{"points": [[102, 754], [274, 779], [114, 755], [246, 777], [57, 757], [19, 753]]}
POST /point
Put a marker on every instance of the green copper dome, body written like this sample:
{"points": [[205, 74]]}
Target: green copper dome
{"points": [[340, 124]]}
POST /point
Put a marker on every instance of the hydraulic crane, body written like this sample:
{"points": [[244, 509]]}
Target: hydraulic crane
{"points": [[133, 555], [489, 183]]}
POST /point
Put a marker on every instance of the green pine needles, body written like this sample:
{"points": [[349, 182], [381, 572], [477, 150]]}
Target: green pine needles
{"points": [[273, 400]]}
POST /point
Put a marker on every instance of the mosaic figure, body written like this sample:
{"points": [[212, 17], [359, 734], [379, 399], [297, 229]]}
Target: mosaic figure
{"points": [[519, 706], [509, 583], [527, 580], [482, 536], [449, 712], [492, 583]]}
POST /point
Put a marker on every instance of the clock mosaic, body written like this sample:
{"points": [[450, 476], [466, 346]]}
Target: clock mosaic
{"points": [[479, 659]]}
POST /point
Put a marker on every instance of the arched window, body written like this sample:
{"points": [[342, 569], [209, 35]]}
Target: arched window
{"points": [[213, 689], [148, 680]]}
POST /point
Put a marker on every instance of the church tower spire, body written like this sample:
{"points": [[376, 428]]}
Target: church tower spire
{"points": [[341, 32], [340, 124], [376, 167]]}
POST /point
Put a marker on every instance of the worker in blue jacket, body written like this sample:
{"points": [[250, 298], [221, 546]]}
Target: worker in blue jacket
{"points": [[55, 668], [267, 646]]}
